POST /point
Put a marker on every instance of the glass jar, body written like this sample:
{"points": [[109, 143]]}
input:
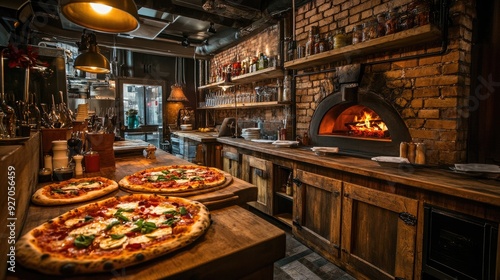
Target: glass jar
{"points": [[370, 30], [392, 22], [381, 18], [310, 44], [357, 34], [316, 44], [339, 40], [422, 13]]}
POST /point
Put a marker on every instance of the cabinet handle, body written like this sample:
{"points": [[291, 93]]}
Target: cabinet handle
{"points": [[336, 246], [344, 251], [297, 181], [408, 218], [261, 173], [346, 194], [335, 193]]}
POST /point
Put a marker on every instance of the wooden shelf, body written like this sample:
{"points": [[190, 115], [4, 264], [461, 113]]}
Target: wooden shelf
{"points": [[397, 40], [248, 105], [285, 218], [284, 195], [268, 73]]}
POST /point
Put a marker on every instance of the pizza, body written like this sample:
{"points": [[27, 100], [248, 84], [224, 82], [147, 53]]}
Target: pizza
{"points": [[73, 191], [112, 233], [173, 179]]}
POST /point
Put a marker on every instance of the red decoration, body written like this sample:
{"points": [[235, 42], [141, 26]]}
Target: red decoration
{"points": [[24, 57]]}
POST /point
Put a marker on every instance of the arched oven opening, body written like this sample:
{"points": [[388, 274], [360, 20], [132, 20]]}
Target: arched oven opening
{"points": [[359, 123]]}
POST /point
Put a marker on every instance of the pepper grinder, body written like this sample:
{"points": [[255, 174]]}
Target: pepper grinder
{"points": [[78, 164]]}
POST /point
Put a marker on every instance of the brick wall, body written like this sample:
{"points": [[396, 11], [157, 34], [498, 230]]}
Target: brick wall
{"points": [[428, 91]]}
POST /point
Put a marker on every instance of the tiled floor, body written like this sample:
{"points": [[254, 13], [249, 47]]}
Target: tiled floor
{"points": [[300, 262]]}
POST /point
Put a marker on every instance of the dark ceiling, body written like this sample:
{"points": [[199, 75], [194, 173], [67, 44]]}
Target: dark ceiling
{"points": [[163, 24]]}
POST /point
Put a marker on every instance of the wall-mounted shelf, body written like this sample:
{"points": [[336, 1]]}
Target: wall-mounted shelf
{"points": [[418, 35], [247, 105], [268, 73]]}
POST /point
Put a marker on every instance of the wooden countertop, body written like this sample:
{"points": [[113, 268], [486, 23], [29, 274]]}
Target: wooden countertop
{"points": [[436, 179], [197, 135], [236, 244]]}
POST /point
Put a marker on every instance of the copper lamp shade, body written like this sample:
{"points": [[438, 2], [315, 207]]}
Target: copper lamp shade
{"points": [[91, 60], [111, 16], [177, 94]]}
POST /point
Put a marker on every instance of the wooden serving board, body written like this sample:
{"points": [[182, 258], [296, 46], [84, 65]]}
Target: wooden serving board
{"points": [[227, 182]]}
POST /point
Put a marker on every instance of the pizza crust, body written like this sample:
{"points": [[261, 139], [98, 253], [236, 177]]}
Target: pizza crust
{"points": [[31, 256], [40, 196]]}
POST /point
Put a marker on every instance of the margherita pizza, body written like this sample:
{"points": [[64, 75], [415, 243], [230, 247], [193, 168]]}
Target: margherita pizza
{"points": [[173, 179], [73, 191], [112, 234]]}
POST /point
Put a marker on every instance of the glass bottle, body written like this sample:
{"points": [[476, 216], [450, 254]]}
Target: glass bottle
{"points": [[381, 18], [317, 40], [370, 30], [310, 44], [9, 119], [392, 22], [339, 40], [286, 88]]}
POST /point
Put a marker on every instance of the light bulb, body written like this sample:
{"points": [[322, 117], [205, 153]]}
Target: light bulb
{"points": [[101, 8]]}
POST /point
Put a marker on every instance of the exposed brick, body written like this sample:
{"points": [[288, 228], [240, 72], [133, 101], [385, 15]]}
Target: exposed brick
{"points": [[424, 134], [436, 81], [408, 113], [440, 103], [428, 114], [303, 105], [306, 98], [445, 145], [453, 91], [417, 103], [440, 124], [415, 123], [451, 57], [430, 70], [449, 156], [395, 74], [449, 135], [405, 64], [426, 92], [429, 60]]}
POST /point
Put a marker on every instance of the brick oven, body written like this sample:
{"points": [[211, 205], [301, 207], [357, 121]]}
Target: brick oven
{"points": [[358, 119]]}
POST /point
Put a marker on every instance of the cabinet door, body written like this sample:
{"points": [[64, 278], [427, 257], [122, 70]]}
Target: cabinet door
{"points": [[231, 161], [259, 172], [378, 233], [316, 214]]}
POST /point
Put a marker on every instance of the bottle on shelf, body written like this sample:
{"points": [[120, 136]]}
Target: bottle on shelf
{"points": [[289, 184]]}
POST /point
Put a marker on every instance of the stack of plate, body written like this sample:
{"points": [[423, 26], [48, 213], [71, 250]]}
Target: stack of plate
{"points": [[186, 127], [83, 112], [250, 133]]}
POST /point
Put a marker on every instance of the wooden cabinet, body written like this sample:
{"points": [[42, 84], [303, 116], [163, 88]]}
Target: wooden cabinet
{"points": [[317, 212], [379, 232], [259, 172], [231, 161]]}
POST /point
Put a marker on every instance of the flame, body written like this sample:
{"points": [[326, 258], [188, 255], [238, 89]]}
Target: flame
{"points": [[368, 125]]}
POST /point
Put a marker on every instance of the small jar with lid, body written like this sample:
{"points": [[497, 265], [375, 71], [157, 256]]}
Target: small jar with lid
{"points": [[422, 14], [339, 40], [309, 44], [357, 34], [381, 18], [370, 30]]}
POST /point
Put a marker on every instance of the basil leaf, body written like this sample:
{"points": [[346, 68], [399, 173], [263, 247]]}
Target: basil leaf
{"points": [[58, 191], [196, 178], [171, 221], [88, 218], [117, 236], [120, 216], [125, 210], [183, 211], [111, 225], [82, 241], [170, 212]]}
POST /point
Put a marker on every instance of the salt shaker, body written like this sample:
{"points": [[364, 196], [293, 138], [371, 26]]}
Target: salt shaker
{"points": [[403, 150], [411, 152], [78, 164]]}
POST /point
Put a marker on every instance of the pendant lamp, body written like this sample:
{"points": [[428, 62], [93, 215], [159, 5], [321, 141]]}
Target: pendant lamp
{"points": [[176, 93], [111, 16], [91, 60]]}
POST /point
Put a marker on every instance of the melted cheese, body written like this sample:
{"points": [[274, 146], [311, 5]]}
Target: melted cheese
{"points": [[72, 222], [181, 181], [69, 188], [110, 243], [92, 228], [90, 186], [160, 232], [157, 221], [160, 209], [139, 239], [128, 205]]}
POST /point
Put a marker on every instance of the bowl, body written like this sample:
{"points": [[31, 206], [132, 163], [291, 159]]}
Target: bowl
{"points": [[62, 174]]}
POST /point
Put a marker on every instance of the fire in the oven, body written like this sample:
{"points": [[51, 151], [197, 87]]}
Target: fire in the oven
{"points": [[368, 125]]}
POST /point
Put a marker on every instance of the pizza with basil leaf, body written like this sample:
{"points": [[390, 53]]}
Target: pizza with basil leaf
{"points": [[112, 233], [173, 179]]}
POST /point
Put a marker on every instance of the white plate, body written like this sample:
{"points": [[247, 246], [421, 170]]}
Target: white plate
{"points": [[325, 149], [263, 141], [477, 167], [284, 143]]}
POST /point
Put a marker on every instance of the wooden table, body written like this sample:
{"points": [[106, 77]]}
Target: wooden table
{"points": [[238, 243]]}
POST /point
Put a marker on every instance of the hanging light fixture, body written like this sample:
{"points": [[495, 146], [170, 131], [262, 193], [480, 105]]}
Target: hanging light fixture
{"points": [[176, 93], [110, 16], [90, 59]]}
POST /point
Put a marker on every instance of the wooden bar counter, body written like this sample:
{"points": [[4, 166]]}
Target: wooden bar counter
{"points": [[238, 244]]}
